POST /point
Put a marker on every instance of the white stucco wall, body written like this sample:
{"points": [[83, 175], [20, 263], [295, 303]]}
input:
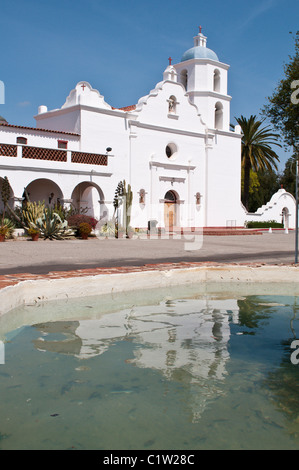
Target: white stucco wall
{"points": [[224, 181], [138, 140], [203, 171], [281, 208]]}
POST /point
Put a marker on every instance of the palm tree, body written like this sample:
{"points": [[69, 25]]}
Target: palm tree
{"points": [[257, 153]]}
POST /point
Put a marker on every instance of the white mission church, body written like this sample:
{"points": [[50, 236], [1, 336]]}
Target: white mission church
{"points": [[174, 147]]}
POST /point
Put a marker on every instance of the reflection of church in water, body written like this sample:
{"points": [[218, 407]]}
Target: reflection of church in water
{"points": [[185, 340]]}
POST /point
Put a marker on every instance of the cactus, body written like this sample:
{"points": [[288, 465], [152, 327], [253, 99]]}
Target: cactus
{"points": [[36, 216], [5, 194], [5, 191], [124, 193], [118, 193], [33, 212], [128, 194]]}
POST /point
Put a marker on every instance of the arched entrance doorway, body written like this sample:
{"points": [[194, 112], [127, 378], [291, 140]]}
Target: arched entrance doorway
{"points": [[170, 210], [44, 190], [88, 198]]}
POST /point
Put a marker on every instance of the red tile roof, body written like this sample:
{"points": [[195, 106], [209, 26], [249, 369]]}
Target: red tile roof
{"points": [[127, 108], [37, 129]]}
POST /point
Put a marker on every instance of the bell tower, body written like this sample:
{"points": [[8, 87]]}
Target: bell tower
{"points": [[205, 80]]}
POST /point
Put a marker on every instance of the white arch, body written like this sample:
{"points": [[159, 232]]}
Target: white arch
{"points": [[44, 189], [216, 83], [184, 78], [219, 115], [89, 197]]}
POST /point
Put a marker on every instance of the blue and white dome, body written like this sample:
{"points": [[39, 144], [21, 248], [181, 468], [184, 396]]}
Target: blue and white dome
{"points": [[200, 50]]}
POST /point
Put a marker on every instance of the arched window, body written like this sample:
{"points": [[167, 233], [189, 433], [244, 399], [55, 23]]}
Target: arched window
{"points": [[219, 116], [216, 86], [184, 78], [170, 196]]}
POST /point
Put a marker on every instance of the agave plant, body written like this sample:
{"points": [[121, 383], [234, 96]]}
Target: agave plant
{"points": [[108, 229], [9, 227], [52, 227]]}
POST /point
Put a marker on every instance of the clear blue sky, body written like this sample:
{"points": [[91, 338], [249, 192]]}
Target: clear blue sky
{"points": [[121, 47]]}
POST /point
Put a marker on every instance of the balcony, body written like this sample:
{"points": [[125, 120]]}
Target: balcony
{"points": [[54, 155], [39, 153], [8, 150], [89, 158]]}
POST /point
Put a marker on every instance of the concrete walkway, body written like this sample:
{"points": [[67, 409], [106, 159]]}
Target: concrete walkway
{"points": [[24, 256]]}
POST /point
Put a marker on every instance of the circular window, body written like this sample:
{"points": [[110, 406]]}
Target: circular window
{"points": [[171, 150]]}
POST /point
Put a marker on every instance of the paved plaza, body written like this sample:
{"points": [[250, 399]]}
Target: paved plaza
{"points": [[25, 256]]}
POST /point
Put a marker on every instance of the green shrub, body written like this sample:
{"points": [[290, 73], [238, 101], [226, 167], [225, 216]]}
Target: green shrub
{"points": [[85, 228], [266, 224], [75, 220]]}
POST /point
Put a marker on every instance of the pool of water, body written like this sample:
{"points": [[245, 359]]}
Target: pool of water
{"points": [[185, 370]]}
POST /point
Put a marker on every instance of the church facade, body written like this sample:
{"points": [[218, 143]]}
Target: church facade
{"points": [[174, 147]]}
